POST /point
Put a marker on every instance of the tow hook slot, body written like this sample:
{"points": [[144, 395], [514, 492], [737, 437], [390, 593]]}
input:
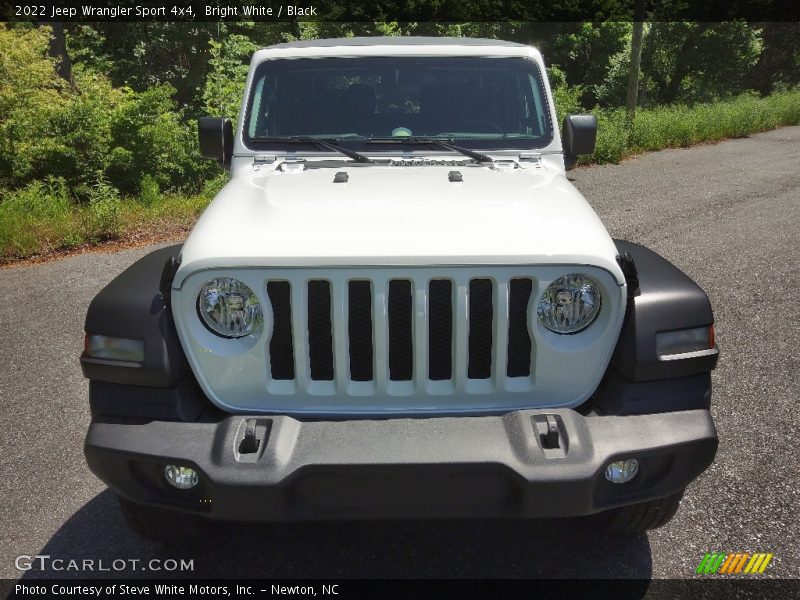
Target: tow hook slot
{"points": [[550, 432], [252, 436], [250, 442], [550, 436]]}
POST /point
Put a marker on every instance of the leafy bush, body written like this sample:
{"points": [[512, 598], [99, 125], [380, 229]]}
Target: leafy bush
{"points": [[566, 98], [148, 138], [224, 88], [149, 192], [612, 136], [103, 213], [213, 186], [30, 97]]}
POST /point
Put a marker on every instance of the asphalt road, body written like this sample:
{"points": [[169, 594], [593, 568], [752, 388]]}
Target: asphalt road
{"points": [[727, 214]]}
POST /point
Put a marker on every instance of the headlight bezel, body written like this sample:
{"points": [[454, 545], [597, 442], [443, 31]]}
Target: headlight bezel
{"points": [[587, 287], [250, 301]]}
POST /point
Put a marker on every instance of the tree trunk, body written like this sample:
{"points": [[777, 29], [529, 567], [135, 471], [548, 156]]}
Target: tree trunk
{"points": [[58, 50], [632, 97], [633, 71]]}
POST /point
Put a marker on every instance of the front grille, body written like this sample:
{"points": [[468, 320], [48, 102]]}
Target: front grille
{"points": [[401, 345], [398, 335], [359, 330], [281, 349], [440, 330], [320, 335]]}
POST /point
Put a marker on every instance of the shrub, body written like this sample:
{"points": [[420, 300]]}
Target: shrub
{"points": [[149, 193], [612, 136], [566, 97], [213, 186], [103, 212], [148, 138]]}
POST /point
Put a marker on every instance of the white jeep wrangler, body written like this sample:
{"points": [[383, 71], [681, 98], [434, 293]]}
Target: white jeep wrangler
{"points": [[398, 307]]}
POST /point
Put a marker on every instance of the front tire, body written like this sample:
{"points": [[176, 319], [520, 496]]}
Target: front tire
{"points": [[169, 527], [641, 517]]}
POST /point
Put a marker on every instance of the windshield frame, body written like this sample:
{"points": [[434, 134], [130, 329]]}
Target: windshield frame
{"points": [[362, 144]]}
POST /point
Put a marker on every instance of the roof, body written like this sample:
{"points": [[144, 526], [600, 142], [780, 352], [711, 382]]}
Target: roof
{"points": [[395, 41]]}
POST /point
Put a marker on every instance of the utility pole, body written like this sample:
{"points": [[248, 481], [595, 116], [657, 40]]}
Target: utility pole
{"points": [[636, 59]]}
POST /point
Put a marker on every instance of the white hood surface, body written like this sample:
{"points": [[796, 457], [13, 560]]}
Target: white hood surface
{"points": [[398, 215]]}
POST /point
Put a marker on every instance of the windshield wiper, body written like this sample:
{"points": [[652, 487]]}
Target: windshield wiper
{"points": [[446, 143], [320, 143]]}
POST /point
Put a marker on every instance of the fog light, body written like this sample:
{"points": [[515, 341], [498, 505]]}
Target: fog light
{"points": [[182, 478], [622, 471]]}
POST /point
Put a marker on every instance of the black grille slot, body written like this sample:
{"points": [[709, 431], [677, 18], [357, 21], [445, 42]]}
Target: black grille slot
{"points": [[481, 314], [519, 340], [281, 347], [320, 337], [440, 329], [359, 329], [401, 351]]}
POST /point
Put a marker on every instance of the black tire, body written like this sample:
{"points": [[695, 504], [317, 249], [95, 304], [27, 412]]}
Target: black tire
{"points": [[638, 518], [169, 527]]}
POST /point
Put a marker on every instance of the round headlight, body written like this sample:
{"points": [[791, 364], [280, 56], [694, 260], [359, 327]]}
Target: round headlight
{"points": [[229, 308], [569, 304]]}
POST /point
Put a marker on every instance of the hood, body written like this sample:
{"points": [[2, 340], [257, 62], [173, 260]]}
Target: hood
{"points": [[398, 215]]}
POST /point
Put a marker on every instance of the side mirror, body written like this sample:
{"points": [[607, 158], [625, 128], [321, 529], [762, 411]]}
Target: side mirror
{"points": [[579, 137], [216, 139]]}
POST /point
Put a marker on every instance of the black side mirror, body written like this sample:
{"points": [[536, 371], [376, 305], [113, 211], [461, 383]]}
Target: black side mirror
{"points": [[579, 137], [216, 139]]}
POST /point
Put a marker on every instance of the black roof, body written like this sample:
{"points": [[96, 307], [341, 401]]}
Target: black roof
{"points": [[395, 41]]}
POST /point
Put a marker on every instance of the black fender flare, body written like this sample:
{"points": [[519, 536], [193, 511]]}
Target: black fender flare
{"points": [[134, 306]]}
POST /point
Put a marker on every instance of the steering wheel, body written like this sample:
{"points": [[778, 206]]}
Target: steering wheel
{"points": [[477, 125]]}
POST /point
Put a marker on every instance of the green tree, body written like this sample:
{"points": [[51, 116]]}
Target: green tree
{"points": [[31, 96], [698, 62], [224, 86]]}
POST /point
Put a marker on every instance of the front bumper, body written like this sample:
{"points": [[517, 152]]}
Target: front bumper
{"points": [[492, 466]]}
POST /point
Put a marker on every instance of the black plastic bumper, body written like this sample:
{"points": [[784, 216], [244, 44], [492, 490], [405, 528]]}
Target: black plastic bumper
{"points": [[494, 466]]}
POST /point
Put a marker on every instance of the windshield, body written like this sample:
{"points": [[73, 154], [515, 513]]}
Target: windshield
{"points": [[481, 102]]}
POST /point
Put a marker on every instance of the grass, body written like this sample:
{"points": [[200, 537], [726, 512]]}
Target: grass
{"points": [[36, 221], [681, 126], [44, 218]]}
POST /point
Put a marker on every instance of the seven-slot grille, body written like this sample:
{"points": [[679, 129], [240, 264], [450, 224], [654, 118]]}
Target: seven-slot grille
{"points": [[399, 335]]}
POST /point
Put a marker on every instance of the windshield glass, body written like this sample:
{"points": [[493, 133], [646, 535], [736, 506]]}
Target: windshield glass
{"points": [[481, 102]]}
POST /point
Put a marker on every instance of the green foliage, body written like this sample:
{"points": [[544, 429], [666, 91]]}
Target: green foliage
{"points": [[103, 214], [612, 136], [121, 134], [224, 86], [35, 217], [698, 62], [213, 186], [567, 98], [148, 138], [614, 88], [75, 131], [584, 51], [682, 125], [149, 193], [31, 96]]}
